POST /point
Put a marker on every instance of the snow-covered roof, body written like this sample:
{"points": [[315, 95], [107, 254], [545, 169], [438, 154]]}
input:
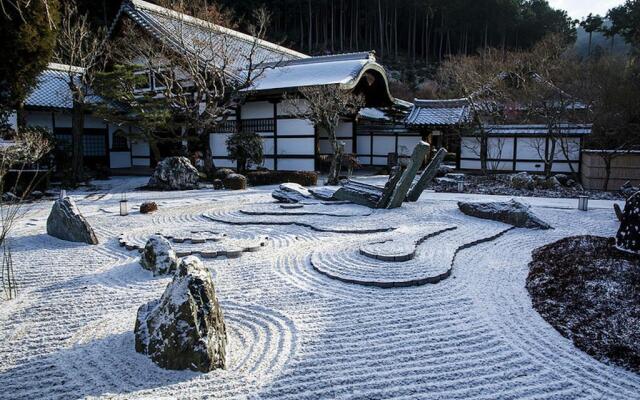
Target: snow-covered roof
{"points": [[538, 130], [187, 33], [342, 69], [374, 114], [438, 112], [52, 90]]}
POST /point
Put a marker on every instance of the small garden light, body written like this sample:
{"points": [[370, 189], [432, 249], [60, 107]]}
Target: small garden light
{"points": [[583, 203], [124, 205], [460, 186]]}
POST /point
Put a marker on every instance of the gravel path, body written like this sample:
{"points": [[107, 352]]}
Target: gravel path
{"points": [[295, 333]]}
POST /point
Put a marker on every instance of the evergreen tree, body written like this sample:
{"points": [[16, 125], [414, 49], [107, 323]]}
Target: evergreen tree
{"points": [[28, 39]]}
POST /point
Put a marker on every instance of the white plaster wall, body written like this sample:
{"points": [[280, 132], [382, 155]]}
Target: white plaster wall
{"points": [[383, 145], [344, 129], [40, 118], [295, 127], [217, 141], [409, 143], [221, 162], [296, 146], [294, 164], [292, 107], [256, 109], [120, 159], [364, 144], [531, 148]]}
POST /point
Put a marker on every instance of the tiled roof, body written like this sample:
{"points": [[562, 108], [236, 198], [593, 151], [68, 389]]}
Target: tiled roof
{"points": [[52, 90], [438, 112], [185, 32]]}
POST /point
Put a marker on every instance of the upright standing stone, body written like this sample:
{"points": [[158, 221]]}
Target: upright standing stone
{"points": [[65, 222], [400, 192], [185, 328], [158, 256], [427, 175], [174, 173], [628, 236]]}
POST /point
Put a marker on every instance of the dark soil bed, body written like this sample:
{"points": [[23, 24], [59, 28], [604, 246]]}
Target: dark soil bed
{"points": [[590, 292]]}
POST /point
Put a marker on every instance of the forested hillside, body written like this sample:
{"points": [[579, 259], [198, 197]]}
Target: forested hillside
{"points": [[423, 30]]}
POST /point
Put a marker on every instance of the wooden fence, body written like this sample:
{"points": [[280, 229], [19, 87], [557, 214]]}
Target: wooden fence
{"points": [[623, 168]]}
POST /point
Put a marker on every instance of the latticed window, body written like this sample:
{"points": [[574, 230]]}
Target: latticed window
{"points": [[119, 142]]}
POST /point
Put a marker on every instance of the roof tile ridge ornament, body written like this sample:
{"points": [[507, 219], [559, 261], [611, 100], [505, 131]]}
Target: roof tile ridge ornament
{"points": [[136, 5]]}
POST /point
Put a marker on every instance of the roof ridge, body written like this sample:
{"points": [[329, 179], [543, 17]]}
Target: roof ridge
{"points": [[141, 4], [64, 67], [363, 55]]}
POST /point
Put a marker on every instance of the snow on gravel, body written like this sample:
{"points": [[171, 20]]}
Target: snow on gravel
{"points": [[295, 333]]}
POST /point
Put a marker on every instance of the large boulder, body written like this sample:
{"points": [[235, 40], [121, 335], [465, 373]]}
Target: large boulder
{"points": [[65, 222], [185, 328], [174, 173], [158, 256], [235, 182], [511, 212], [291, 193], [523, 181], [628, 236]]}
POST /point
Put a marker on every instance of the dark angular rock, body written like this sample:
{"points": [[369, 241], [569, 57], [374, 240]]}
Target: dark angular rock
{"points": [[174, 173], [185, 328], [512, 212], [628, 236], [158, 256], [148, 207], [291, 193], [65, 222]]}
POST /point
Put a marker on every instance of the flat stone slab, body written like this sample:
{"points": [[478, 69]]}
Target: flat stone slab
{"points": [[431, 263], [207, 244], [396, 250]]}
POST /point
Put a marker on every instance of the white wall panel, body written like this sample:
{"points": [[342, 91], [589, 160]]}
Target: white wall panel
{"points": [[500, 148], [570, 146], [531, 148], [295, 127], [256, 109], [120, 159], [469, 164], [409, 144], [267, 146], [379, 161], [364, 160], [141, 162], [344, 129], [296, 146], [469, 147], [292, 107], [218, 144], [38, 118], [91, 121], [140, 149], [530, 167], [325, 146], [294, 164], [564, 167], [222, 162], [364, 144], [383, 145], [63, 120], [267, 163]]}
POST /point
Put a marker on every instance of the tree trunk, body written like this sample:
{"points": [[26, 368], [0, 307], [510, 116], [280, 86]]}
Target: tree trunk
{"points": [[548, 163], [336, 161], [77, 129]]}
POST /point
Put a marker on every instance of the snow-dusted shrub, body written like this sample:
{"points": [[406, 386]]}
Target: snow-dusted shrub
{"points": [[235, 182]]}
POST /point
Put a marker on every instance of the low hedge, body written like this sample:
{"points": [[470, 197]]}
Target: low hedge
{"points": [[304, 178], [235, 182]]}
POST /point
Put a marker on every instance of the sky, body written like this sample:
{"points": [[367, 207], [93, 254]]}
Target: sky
{"points": [[579, 9]]}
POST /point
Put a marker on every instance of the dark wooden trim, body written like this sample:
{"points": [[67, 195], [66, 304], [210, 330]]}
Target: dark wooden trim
{"points": [[354, 138], [515, 153], [275, 135], [284, 136], [520, 161]]}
